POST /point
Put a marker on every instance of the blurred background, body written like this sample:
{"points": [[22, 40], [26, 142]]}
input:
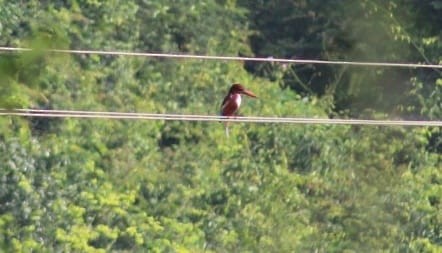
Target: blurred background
{"points": [[108, 185]]}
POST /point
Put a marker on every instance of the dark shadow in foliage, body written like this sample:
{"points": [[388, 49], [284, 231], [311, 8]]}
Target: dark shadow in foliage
{"points": [[124, 242], [217, 199], [8, 66], [102, 242], [44, 125], [175, 133], [308, 79], [301, 32], [170, 136], [435, 141]]}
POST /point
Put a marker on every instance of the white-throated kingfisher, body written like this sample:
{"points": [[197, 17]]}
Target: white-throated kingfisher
{"points": [[232, 101]]}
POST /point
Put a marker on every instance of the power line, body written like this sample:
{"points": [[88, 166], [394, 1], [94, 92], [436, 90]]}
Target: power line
{"points": [[230, 58], [207, 118]]}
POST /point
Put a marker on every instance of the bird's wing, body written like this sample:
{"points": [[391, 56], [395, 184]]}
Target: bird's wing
{"points": [[229, 107], [225, 100]]}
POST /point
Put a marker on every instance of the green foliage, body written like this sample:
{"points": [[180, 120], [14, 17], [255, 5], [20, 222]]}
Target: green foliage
{"points": [[375, 31], [96, 185]]}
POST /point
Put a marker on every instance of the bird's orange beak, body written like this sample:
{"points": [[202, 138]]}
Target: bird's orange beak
{"points": [[249, 93]]}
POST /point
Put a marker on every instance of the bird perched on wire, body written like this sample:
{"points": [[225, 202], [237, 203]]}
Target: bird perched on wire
{"points": [[232, 101]]}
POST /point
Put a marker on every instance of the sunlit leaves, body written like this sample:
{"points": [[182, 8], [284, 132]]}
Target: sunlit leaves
{"points": [[100, 185]]}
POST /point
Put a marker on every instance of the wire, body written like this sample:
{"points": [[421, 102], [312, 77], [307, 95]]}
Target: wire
{"points": [[231, 58], [184, 117]]}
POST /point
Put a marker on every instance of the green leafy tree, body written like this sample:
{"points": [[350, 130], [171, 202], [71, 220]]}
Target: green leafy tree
{"points": [[102, 185]]}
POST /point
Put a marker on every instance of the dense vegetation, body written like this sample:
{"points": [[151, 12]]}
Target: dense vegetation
{"points": [[96, 185]]}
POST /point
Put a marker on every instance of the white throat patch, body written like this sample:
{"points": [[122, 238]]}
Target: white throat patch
{"points": [[237, 99]]}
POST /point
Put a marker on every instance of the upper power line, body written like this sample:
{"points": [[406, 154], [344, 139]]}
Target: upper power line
{"points": [[230, 58]]}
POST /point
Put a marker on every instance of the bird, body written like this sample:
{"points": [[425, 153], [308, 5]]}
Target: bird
{"points": [[232, 101]]}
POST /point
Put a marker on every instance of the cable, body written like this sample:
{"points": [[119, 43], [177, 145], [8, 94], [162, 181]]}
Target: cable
{"points": [[183, 117], [231, 58]]}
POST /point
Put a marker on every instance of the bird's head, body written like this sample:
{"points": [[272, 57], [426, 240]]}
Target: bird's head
{"points": [[239, 89]]}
